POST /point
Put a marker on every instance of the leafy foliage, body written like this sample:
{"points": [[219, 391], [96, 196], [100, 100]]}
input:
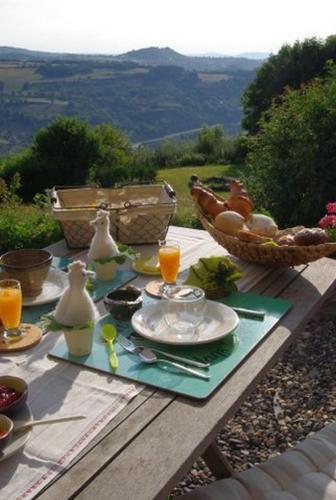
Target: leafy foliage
{"points": [[214, 272], [291, 166], [69, 152], [23, 226], [291, 67], [125, 252], [49, 324], [61, 153]]}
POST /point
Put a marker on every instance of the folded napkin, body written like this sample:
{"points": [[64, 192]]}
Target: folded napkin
{"points": [[56, 389]]}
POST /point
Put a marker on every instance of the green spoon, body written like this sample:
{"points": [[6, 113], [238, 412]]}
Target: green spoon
{"points": [[109, 334]]}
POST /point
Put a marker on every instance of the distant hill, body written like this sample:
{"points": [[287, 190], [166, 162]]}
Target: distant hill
{"points": [[154, 56], [255, 55], [151, 56]]}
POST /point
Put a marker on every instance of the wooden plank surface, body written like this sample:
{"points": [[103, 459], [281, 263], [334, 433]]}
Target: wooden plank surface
{"points": [[164, 451], [145, 450], [194, 244]]}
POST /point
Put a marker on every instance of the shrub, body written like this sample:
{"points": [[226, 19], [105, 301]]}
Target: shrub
{"points": [[109, 167], [291, 166], [24, 226], [61, 154]]}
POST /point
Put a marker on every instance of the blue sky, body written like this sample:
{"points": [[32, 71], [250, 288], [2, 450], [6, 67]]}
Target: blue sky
{"points": [[188, 26]]}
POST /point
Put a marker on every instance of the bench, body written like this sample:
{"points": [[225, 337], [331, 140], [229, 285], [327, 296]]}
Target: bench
{"points": [[305, 472]]}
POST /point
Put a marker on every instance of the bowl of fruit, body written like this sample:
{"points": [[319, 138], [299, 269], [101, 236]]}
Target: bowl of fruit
{"points": [[13, 394]]}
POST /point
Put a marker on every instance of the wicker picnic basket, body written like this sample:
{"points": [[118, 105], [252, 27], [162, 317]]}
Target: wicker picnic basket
{"points": [[139, 214], [264, 254]]}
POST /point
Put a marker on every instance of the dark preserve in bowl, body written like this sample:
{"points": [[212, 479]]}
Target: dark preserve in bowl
{"points": [[13, 394], [123, 302]]}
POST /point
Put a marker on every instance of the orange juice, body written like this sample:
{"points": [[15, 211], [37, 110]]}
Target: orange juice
{"points": [[10, 307], [169, 257]]}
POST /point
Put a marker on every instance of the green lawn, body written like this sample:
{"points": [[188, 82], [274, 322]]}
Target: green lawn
{"points": [[178, 178]]}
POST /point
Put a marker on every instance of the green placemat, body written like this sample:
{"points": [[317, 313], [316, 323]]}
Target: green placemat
{"points": [[224, 355], [100, 288]]}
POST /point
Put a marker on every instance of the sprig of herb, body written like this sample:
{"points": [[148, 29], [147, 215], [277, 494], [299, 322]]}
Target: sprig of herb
{"points": [[49, 324], [125, 252]]}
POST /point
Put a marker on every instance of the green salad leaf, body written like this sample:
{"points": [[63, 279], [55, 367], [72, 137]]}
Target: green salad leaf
{"points": [[214, 272], [48, 323], [125, 252]]}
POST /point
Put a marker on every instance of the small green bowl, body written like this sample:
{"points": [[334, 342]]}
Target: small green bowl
{"points": [[20, 386], [6, 431]]}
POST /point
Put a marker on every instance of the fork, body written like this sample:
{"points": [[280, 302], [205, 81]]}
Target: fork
{"points": [[131, 347]]}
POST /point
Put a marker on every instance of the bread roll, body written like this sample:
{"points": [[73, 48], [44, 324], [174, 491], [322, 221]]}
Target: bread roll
{"points": [[286, 239], [314, 236], [229, 222], [262, 225], [208, 202]]}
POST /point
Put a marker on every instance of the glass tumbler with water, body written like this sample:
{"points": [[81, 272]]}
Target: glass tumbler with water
{"points": [[184, 308]]}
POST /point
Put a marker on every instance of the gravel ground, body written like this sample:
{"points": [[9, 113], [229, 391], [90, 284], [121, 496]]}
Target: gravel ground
{"points": [[296, 398]]}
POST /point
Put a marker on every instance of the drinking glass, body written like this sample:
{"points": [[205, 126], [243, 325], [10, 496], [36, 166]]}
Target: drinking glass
{"points": [[169, 258], [11, 307], [184, 308]]}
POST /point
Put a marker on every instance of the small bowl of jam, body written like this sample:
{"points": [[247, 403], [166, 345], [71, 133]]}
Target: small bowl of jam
{"points": [[123, 302], [13, 394]]}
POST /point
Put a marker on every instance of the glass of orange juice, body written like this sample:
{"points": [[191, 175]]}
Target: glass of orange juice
{"points": [[11, 307], [169, 258]]}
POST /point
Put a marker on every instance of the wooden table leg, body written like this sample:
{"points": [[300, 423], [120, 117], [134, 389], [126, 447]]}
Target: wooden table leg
{"points": [[217, 463]]}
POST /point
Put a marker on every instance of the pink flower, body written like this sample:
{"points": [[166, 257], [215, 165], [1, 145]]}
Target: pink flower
{"points": [[328, 220], [331, 208]]}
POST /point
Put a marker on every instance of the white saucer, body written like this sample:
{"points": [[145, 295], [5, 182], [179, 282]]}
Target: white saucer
{"points": [[219, 321], [20, 439], [53, 287]]}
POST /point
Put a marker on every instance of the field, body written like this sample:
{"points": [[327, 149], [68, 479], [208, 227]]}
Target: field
{"points": [[178, 178], [15, 75]]}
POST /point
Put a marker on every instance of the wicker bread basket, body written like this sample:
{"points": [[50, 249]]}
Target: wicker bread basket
{"points": [[139, 214], [264, 254]]}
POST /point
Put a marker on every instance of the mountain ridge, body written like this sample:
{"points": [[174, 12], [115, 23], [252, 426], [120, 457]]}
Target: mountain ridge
{"points": [[151, 56]]}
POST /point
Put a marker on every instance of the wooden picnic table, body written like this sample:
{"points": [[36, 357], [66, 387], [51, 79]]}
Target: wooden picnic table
{"points": [[148, 447]]}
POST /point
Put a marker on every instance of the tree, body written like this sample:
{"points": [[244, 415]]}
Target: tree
{"points": [[291, 166], [212, 143], [115, 150], [61, 154], [67, 148], [291, 67]]}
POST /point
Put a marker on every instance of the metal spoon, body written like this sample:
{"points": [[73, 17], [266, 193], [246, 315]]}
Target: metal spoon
{"points": [[127, 344], [109, 334], [148, 356]]}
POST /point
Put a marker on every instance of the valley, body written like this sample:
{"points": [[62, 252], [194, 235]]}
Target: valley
{"points": [[146, 98]]}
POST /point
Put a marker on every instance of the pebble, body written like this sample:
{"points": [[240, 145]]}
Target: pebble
{"points": [[296, 398]]}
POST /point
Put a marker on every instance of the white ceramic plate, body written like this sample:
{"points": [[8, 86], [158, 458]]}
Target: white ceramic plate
{"points": [[219, 321], [53, 287], [20, 439]]}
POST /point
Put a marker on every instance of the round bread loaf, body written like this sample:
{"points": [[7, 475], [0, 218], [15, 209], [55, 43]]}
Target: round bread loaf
{"points": [[262, 225], [229, 222]]}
